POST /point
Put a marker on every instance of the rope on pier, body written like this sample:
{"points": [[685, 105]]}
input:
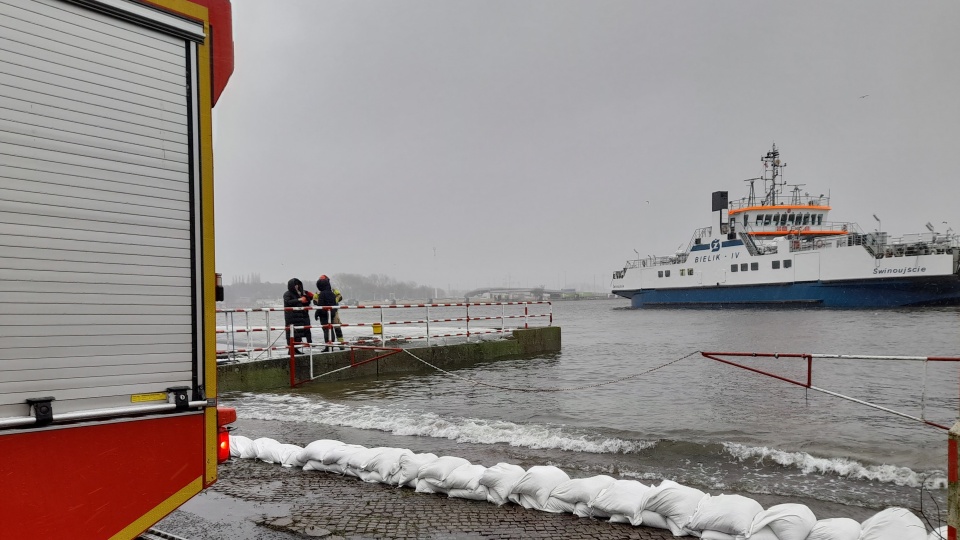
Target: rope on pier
{"points": [[544, 390]]}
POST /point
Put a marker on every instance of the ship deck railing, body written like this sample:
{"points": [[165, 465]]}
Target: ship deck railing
{"points": [[781, 199], [877, 244]]}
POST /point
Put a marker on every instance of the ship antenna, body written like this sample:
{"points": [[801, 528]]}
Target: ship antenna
{"points": [[795, 198], [752, 197], [771, 164]]}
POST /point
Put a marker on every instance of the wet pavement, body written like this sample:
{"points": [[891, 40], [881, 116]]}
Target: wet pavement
{"points": [[253, 500]]}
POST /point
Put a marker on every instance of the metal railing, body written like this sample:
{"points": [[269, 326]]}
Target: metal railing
{"points": [[953, 437], [375, 325], [808, 383]]}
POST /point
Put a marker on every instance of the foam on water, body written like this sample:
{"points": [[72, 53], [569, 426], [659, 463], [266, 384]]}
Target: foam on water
{"points": [[537, 436], [423, 424], [844, 467]]}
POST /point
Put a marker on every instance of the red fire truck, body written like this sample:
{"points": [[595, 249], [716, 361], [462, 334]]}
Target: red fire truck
{"points": [[108, 390]]}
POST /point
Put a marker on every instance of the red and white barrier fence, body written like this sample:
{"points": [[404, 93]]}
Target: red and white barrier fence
{"points": [[402, 331], [953, 458]]}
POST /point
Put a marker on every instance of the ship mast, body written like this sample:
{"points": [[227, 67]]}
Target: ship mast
{"points": [[771, 171], [752, 197]]}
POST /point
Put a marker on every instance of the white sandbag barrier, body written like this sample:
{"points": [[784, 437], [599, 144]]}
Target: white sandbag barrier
{"points": [[685, 511]]}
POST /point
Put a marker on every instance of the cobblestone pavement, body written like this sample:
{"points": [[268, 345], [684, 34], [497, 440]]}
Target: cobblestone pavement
{"points": [[320, 504]]}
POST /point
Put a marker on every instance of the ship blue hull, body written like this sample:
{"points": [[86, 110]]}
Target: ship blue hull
{"points": [[872, 293]]}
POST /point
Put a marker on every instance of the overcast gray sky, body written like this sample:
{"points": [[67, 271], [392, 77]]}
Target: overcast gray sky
{"points": [[471, 143]]}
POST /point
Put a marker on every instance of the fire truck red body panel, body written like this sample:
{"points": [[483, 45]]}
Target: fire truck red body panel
{"points": [[108, 391]]}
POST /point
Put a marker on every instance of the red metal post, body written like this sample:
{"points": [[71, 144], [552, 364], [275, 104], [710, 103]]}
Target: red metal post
{"points": [[953, 485], [293, 359]]}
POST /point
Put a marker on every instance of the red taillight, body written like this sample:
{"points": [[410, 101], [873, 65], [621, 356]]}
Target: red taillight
{"points": [[223, 445], [225, 415]]}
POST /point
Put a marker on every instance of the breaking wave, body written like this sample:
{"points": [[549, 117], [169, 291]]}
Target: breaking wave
{"points": [[839, 466], [422, 424]]}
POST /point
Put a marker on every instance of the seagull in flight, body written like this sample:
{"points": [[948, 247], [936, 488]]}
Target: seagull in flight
{"points": [[863, 96]]}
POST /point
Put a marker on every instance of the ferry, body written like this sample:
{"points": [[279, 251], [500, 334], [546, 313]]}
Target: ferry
{"points": [[779, 247]]}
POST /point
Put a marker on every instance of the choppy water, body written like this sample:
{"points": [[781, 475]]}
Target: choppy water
{"points": [[696, 421]]}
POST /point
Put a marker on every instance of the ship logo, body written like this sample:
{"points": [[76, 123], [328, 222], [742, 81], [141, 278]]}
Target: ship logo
{"points": [[715, 245]]}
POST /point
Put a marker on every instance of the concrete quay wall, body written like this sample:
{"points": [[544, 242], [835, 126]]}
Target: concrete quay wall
{"points": [[275, 373]]}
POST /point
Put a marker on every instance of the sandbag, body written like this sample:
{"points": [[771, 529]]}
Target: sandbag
{"points": [[436, 472], [336, 458], [564, 497], [893, 524], [653, 519], [464, 483], [317, 449], [584, 510], [370, 477], [242, 447], [289, 455], [387, 464], [341, 453], [788, 521], [439, 468], [835, 529], [764, 533], [534, 488], [465, 477], [267, 449], [357, 461], [558, 506], [582, 489], [409, 467], [313, 465], [423, 486], [500, 480], [730, 514], [622, 501], [716, 535], [478, 494], [673, 501]]}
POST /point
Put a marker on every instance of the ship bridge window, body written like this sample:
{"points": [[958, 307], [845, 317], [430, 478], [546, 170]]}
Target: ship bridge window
{"points": [[666, 273], [683, 272], [743, 267], [689, 271], [819, 219], [659, 273], [791, 218], [766, 219], [733, 268], [745, 216], [754, 266], [759, 219], [775, 265], [787, 263], [806, 219]]}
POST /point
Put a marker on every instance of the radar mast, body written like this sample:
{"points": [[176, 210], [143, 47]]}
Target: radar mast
{"points": [[771, 172]]}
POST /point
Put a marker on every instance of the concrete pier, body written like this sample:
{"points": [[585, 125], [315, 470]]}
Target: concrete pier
{"points": [[275, 373]]}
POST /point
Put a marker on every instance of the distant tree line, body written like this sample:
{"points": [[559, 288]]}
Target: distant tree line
{"points": [[247, 290], [381, 287]]}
